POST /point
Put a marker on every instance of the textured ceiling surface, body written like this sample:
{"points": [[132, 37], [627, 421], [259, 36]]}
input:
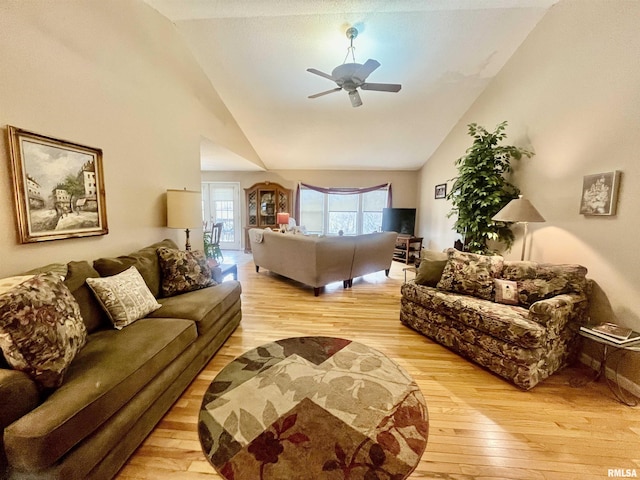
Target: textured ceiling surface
{"points": [[256, 52]]}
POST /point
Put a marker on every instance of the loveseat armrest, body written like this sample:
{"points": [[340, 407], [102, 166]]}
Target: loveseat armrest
{"points": [[18, 396], [556, 312]]}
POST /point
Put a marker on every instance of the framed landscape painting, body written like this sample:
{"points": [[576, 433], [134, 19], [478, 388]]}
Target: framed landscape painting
{"points": [[58, 187], [600, 193]]}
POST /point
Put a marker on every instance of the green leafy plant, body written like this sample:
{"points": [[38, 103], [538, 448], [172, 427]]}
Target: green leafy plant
{"points": [[480, 190]]}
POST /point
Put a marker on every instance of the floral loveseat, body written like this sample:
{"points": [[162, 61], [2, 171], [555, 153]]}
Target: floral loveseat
{"points": [[518, 319]]}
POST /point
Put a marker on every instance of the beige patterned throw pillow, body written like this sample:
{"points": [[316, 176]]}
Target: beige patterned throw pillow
{"points": [[125, 297], [41, 329], [183, 271]]}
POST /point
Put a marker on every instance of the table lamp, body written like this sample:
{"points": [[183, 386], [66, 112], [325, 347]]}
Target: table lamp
{"points": [[184, 210], [283, 221], [519, 210]]}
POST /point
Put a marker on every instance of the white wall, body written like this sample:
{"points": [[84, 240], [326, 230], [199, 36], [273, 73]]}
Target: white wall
{"points": [[115, 76], [571, 93]]}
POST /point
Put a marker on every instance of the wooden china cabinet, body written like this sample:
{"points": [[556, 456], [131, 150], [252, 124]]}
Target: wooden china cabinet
{"points": [[263, 202]]}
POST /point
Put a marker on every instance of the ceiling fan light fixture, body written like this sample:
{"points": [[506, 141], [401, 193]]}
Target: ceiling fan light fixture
{"points": [[354, 96]]}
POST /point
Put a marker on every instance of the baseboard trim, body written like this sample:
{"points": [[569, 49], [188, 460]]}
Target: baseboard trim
{"points": [[622, 381]]}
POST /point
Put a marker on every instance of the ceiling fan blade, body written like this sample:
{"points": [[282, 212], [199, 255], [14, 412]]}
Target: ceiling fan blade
{"points": [[365, 70], [337, 89], [354, 96], [322, 74], [381, 87]]}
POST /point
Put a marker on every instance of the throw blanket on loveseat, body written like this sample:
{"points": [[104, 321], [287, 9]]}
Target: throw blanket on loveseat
{"points": [[518, 319]]}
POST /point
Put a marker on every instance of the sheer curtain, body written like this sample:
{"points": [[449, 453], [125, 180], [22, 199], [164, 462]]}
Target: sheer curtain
{"points": [[341, 191]]}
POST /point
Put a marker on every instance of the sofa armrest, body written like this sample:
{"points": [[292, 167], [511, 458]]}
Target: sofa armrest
{"points": [[18, 396], [556, 312]]}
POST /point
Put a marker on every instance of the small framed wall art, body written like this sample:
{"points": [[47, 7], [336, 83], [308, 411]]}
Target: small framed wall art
{"points": [[600, 193], [441, 191], [58, 187]]}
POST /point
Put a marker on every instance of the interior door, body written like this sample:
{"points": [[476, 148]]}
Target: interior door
{"points": [[221, 203]]}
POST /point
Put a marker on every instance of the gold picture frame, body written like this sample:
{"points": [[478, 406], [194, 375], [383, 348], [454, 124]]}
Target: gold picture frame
{"points": [[58, 187], [600, 193]]}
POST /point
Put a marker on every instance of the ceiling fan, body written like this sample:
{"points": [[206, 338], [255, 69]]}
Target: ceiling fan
{"points": [[351, 76]]}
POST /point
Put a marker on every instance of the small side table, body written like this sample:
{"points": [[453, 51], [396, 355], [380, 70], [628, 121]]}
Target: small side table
{"points": [[409, 269], [221, 270], [610, 347], [407, 248]]}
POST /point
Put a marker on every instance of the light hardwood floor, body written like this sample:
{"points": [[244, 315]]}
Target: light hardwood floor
{"points": [[481, 427]]}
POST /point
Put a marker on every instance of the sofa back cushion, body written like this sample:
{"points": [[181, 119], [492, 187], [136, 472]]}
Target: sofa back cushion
{"points": [[92, 313], [538, 281], [470, 273], [145, 260]]}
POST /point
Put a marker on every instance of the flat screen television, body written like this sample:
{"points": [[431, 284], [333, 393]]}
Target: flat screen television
{"points": [[400, 220]]}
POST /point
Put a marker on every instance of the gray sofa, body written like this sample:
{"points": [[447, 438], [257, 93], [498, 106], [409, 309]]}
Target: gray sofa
{"points": [[120, 384], [523, 336], [320, 260]]}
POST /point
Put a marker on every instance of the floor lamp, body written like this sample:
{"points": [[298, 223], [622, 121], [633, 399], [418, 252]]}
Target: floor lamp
{"points": [[184, 210], [519, 210]]}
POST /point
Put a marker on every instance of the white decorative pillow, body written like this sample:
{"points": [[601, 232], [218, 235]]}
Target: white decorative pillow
{"points": [[41, 329], [125, 297]]}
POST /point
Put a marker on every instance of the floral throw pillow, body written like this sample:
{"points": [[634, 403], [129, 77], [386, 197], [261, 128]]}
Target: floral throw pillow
{"points": [[470, 273], [183, 271], [41, 329], [125, 297]]}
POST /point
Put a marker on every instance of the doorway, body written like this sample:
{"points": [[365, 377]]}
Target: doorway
{"points": [[221, 203]]}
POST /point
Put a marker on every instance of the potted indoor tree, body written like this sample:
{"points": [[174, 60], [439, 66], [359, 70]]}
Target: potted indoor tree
{"points": [[481, 189]]}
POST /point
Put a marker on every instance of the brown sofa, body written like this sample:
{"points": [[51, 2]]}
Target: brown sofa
{"points": [[120, 384], [320, 260]]}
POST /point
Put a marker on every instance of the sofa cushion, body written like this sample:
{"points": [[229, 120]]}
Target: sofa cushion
{"points": [[92, 312], [59, 269], [108, 372], [145, 260], [183, 271], [41, 329], [539, 281], [470, 273], [125, 297], [508, 323], [205, 306], [431, 266]]}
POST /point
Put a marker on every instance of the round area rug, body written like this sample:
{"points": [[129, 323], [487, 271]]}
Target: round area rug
{"points": [[313, 408]]}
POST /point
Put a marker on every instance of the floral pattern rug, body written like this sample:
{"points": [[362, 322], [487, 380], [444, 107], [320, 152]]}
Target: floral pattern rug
{"points": [[313, 408]]}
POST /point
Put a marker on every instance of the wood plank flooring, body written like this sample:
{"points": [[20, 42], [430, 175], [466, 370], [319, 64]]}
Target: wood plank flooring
{"points": [[481, 427]]}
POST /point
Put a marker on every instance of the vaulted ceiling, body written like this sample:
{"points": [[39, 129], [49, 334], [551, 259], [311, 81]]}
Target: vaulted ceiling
{"points": [[256, 52]]}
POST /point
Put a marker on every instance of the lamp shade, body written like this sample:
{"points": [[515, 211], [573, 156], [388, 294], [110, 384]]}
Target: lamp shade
{"points": [[283, 218], [184, 209], [518, 210]]}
